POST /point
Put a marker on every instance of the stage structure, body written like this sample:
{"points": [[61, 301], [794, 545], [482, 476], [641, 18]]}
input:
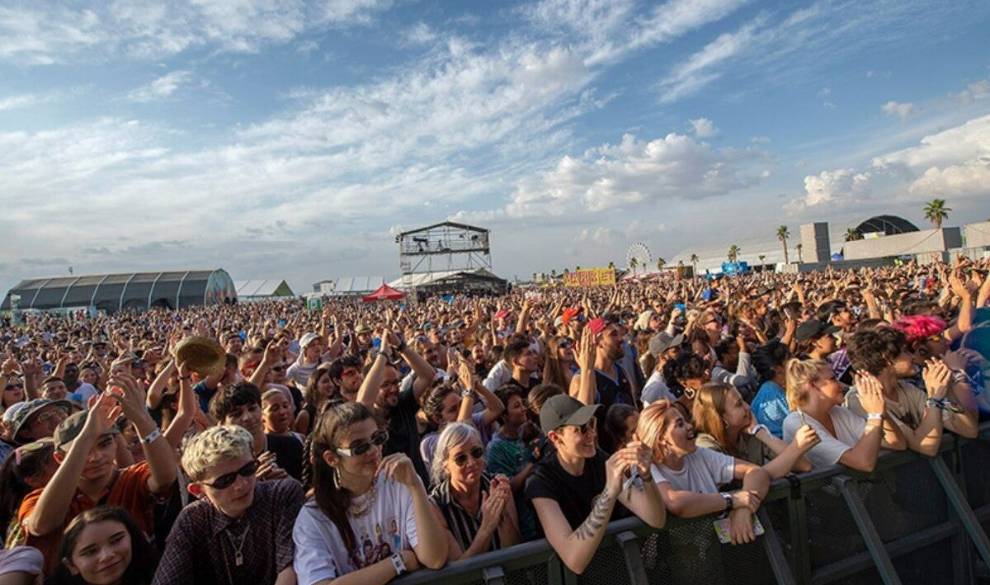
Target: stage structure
{"points": [[454, 254]]}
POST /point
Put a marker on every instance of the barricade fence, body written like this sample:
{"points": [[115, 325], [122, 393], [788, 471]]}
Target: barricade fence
{"points": [[914, 520]]}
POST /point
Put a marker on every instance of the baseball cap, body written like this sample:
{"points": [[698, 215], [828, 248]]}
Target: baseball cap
{"points": [[597, 325], [643, 321], [569, 314], [502, 314], [663, 341], [69, 429], [813, 328], [22, 414], [562, 410], [308, 338]]}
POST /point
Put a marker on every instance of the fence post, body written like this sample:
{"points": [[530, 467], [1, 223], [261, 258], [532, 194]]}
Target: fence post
{"points": [[961, 507], [850, 493], [633, 556], [775, 551], [493, 576], [797, 515]]}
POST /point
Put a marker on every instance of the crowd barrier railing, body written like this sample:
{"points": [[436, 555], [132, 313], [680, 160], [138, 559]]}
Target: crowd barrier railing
{"points": [[912, 520]]}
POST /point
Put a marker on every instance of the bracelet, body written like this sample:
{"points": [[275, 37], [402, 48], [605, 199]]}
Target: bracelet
{"points": [[874, 416], [760, 427], [467, 393], [397, 564], [152, 437], [729, 504]]}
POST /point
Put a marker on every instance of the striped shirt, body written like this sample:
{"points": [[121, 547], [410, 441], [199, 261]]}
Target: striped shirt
{"points": [[463, 525]]}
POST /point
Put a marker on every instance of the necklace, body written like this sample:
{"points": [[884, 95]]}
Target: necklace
{"points": [[238, 546], [367, 502]]}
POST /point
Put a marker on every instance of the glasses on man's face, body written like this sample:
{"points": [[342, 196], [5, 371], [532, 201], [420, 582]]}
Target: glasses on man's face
{"points": [[278, 368], [226, 480], [47, 417], [565, 344], [587, 427], [361, 447], [13, 387], [476, 453]]}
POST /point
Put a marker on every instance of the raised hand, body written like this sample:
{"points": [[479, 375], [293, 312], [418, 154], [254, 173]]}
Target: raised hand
{"points": [[936, 376], [870, 393], [399, 467], [129, 394], [585, 354]]}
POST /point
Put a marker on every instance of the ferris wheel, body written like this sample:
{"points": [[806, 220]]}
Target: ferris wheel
{"points": [[638, 256]]}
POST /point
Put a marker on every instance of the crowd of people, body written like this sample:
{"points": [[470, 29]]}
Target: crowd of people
{"points": [[359, 442]]}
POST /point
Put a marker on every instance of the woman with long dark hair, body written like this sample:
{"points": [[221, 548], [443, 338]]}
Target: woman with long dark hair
{"points": [[103, 546], [319, 389], [368, 517], [560, 364]]}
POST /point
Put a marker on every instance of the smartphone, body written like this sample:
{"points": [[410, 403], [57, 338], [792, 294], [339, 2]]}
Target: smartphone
{"points": [[725, 535]]}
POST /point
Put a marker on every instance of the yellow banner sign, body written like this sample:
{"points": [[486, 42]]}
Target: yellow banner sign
{"points": [[590, 277]]}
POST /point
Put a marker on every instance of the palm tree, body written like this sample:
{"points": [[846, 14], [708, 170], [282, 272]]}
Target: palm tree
{"points": [[782, 235], [633, 263], [534, 277], [936, 212], [734, 252], [660, 263], [761, 257], [852, 234], [553, 273], [694, 263], [799, 247], [611, 265]]}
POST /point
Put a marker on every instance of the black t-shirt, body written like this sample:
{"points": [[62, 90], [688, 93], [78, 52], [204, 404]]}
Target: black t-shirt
{"points": [[288, 454], [403, 432], [612, 391], [573, 494]]}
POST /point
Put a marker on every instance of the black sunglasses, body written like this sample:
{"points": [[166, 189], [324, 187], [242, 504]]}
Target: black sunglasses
{"points": [[476, 452], [226, 480], [361, 447], [591, 425]]}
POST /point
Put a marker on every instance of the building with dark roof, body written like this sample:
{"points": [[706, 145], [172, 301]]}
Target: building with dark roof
{"points": [[888, 225], [136, 291]]}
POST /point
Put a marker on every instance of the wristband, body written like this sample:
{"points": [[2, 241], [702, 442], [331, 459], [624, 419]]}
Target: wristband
{"points": [[397, 564], [728, 502], [758, 428], [467, 393], [874, 416], [152, 437]]}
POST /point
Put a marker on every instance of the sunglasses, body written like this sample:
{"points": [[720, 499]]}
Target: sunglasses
{"points": [[361, 447], [565, 344], [13, 386], [278, 368], [587, 427], [476, 453], [226, 480]]}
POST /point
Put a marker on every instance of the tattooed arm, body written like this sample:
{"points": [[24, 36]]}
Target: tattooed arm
{"points": [[577, 547]]}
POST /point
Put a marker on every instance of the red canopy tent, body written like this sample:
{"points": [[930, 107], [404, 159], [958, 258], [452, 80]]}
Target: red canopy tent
{"points": [[385, 293]]}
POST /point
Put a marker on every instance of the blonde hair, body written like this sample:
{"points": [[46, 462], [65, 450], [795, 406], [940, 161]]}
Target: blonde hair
{"points": [[707, 411], [652, 425], [213, 445], [800, 375], [453, 434]]}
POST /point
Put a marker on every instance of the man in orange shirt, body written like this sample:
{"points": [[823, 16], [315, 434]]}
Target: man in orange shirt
{"points": [[88, 475]]}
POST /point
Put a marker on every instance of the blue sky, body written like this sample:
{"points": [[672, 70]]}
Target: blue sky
{"points": [[292, 139]]}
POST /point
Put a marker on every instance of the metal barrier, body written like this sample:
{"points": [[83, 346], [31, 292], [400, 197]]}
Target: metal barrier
{"points": [[913, 520]]}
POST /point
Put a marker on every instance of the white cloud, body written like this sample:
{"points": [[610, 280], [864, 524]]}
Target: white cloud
{"points": [[631, 173], [834, 186], [420, 34], [902, 110], [703, 128], [162, 87], [955, 161], [19, 101], [974, 91], [699, 70], [47, 33]]}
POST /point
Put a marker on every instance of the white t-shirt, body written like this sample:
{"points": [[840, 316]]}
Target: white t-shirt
{"points": [[703, 472], [389, 527], [848, 429], [656, 389]]}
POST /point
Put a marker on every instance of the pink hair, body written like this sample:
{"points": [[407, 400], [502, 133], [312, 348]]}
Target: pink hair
{"points": [[919, 327]]}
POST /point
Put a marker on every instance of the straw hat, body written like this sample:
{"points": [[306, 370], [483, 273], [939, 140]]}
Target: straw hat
{"points": [[203, 355]]}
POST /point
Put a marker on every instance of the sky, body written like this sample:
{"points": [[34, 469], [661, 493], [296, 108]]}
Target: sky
{"points": [[292, 140]]}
